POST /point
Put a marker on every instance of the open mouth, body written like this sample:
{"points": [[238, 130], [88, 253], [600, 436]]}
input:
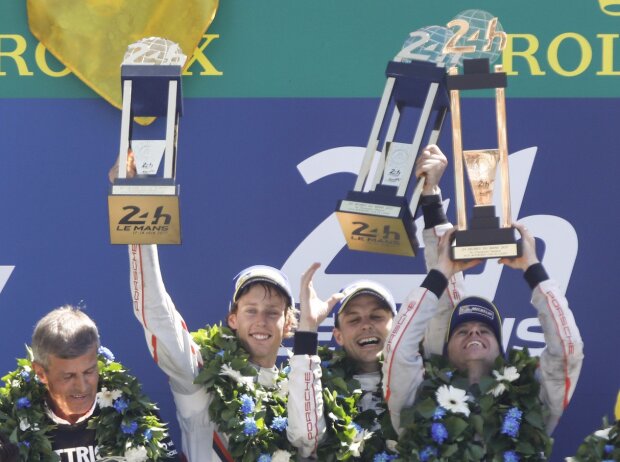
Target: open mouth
{"points": [[366, 341], [475, 344], [260, 337]]}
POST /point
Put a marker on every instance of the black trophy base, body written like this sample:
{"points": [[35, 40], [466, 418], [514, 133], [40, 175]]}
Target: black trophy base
{"points": [[378, 221], [485, 239]]}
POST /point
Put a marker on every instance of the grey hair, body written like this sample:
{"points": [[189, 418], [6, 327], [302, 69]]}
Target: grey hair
{"points": [[65, 332]]}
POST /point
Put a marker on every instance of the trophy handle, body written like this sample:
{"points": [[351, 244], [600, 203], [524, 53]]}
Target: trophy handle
{"points": [[373, 139], [171, 131], [125, 128]]}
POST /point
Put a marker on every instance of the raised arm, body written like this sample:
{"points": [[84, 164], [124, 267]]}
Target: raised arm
{"points": [[403, 368], [561, 360], [431, 164], [167, 336], [306, 423]]}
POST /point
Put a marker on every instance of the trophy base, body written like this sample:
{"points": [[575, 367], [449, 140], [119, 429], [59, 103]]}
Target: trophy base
{"points": [[379, 222], [136, 218], [485, 243], [485, 238]]}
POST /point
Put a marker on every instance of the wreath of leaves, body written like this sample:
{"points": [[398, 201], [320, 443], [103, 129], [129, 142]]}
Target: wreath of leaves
{"points": [[345, 422], [134, 425], [483, 434], [253, 416], [601, 446]]}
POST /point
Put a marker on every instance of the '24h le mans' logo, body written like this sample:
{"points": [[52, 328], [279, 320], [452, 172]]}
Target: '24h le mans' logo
{"points": [[327, 240]]}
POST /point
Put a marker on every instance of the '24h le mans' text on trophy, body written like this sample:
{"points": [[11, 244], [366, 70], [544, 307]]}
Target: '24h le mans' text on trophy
{"points": [[145, 209], [377, 216], [484, 236]]}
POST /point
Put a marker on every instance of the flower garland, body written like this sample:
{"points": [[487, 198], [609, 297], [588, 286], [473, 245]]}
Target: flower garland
{"points": [[501, 419], [601, 446], [127, 425], [350, 433], [253, 417]]}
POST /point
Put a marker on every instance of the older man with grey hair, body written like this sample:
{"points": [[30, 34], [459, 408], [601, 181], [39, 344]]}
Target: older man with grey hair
{"points": [[65, 346]]}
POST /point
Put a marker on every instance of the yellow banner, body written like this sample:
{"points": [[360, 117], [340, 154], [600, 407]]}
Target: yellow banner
{"points": [[90, 37]]}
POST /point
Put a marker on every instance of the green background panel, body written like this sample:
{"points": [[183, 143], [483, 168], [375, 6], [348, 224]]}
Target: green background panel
{"points": [[339, 48]]}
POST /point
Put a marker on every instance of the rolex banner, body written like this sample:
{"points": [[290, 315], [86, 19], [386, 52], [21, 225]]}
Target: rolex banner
{"points": [[279, 98]]}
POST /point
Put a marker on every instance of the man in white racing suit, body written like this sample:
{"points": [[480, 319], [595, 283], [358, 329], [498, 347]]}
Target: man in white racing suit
{"points": [[363, 319], [262, 313], [473, 336]]}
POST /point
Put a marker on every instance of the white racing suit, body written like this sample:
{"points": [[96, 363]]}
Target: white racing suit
{"points": [[175, 352], [306, 423], [560, 362]]}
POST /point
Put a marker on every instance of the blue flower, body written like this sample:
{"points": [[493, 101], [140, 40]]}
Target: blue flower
{"points": [[107, 354], [25, 375], [264, 458], [325, 364], [247, 404], [25, 443], [514, 413], [148, 434], [357, 427], [120, 405], [220, 353], [511, 456], [439, 433], [510, 427], [129, 429], [383, 457], [23, 403], [279, 423], [609, 448], [427, 453], [449, 374], [249, 426], [439, 414]]}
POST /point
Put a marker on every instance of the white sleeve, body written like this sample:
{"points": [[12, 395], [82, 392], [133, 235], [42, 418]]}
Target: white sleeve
{"points": [[437, 329], [561, 360], [306, 423], [167, 336], [403, 368]]}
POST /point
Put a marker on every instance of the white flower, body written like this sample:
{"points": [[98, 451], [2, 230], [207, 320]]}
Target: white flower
{"points": [[281, 456], [15, 384], [509, 374], [391, 445], [282, 390], [497, 390], [239, 378], [603, 434], [106, 398], [24, 424], [137, 454], [452, 399], [357, 447]]}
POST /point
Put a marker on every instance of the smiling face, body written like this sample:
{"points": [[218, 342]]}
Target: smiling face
{"points": [[259, 320], [363, 326], [71, 384], [473, 342]]}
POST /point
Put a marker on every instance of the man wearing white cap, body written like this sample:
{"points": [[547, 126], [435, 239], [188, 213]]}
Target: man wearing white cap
{"points": [[364, 313], [262, 312]]}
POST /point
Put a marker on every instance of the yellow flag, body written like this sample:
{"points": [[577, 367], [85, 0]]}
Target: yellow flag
{"points": [[90, 37], [618, 407]]}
